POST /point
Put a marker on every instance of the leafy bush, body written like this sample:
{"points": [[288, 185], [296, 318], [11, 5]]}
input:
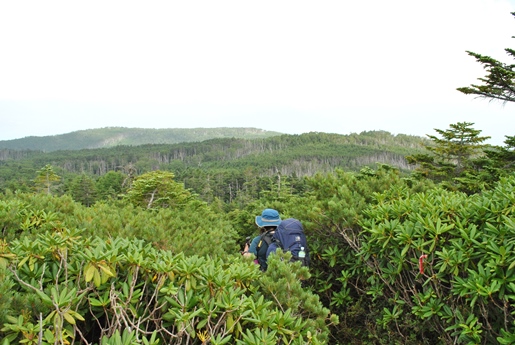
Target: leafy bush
{"points": [[440, 265], [192, 229], [95, 290]]}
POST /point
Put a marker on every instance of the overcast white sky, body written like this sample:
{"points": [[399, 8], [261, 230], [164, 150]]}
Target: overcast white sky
{"points": [[289, 66]]}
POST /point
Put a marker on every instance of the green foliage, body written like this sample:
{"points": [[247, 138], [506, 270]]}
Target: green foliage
{"points": [[330, 209], [331, 212], [157, 189], [458, 145], [6, 287], [283, 283], [227, 169], [452, 158], [445, 259], [121, 291], [193, 229], [499, 82], [82, 189], [46, 179], [496, 163], [110, 186], [394, 260]]}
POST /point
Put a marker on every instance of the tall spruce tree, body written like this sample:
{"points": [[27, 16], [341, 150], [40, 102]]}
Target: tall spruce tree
{"points": [[451, 155]]}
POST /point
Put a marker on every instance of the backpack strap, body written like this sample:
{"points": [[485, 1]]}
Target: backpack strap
{"points": [[262, 248], [266, 237]]}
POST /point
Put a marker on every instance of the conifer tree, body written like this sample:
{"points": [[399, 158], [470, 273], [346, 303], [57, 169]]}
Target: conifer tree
{"points": [[452, 154], [46, 179], [499, 82], [83, 190]]}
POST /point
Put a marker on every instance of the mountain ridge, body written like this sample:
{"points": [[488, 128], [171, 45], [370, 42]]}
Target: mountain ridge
{"points": [[106, 137]]}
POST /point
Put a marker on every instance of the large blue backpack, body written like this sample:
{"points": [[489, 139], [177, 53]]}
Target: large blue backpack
{"points": [[290, 237]]}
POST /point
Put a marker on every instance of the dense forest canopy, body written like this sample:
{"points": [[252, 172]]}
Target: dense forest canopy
{"points": [[221, 167]]}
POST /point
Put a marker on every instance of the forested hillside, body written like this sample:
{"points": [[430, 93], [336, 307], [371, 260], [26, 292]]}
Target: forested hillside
{"points": [[222, 167], [114, 136], [141, 245]]}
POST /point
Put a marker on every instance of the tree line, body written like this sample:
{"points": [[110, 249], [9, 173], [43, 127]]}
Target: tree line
{"points": [[221, 168]]}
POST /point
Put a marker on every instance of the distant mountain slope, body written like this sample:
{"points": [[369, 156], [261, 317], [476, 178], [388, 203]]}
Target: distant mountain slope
{"points": [[115, 136], [219, 167], [303, 154]]}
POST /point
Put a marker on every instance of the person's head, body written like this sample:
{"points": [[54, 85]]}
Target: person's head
{"points": [[268, 228], [268, 220]]}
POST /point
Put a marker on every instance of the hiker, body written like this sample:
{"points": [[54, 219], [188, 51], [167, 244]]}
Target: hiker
{"points": [[289, 237], [267, 222]]}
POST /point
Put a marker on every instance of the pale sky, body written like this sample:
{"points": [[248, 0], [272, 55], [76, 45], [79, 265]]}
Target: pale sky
{"points": [[288, 66]]}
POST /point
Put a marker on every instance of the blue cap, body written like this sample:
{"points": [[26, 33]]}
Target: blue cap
{"points": [[269, 217]]}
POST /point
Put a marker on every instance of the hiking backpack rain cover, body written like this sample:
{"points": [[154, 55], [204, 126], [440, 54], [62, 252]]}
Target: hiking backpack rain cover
{"points": [[290, 237]]}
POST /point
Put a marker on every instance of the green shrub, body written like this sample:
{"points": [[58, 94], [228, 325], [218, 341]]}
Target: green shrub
{"points": [[95, 290], [440, 265], [194, 229]]}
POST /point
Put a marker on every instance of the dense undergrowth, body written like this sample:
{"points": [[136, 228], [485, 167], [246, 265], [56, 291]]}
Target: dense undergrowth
{"points": [[394, 261]]}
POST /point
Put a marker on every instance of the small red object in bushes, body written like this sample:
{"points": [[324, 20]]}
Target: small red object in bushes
{"points": [[421, 263]]}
